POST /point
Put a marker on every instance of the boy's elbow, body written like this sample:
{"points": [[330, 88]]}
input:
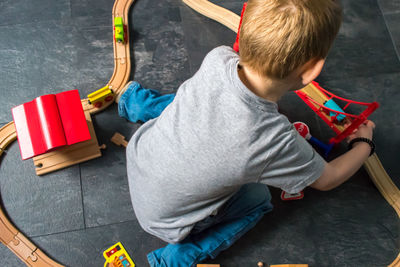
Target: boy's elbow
{"points": [[321, 186], [326, 181]]}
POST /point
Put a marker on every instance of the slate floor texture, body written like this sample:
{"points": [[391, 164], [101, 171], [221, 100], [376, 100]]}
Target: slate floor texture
{"points": [[76, 213]]}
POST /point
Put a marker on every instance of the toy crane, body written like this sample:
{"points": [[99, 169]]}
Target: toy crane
{"points": [[322, 102]]}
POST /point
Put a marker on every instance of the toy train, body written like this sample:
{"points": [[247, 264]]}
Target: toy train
{"points": [[101, 96], [116, 256], [119, 30]]}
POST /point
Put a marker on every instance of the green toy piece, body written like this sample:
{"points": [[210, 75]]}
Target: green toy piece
{"points": [[119, 34]]}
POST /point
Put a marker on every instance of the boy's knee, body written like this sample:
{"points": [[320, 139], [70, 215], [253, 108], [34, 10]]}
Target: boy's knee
{"points": [[260, 196], [265, 198], [136, 103]]}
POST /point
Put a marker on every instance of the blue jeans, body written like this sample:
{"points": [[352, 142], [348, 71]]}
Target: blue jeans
{"points": [[216, 232], [139, 104]]}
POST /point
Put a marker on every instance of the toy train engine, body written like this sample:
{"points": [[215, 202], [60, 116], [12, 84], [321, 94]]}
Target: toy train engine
{"points": [[119, 30], [101, 96]]}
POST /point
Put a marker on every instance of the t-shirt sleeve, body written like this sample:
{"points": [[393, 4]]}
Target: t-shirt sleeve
{"points": [[293, 165]]}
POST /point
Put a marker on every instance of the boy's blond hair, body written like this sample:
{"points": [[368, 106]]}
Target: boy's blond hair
{"points": [[278, 36]]}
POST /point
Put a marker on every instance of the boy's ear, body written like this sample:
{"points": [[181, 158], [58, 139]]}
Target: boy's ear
{"points": [[311, 70]]}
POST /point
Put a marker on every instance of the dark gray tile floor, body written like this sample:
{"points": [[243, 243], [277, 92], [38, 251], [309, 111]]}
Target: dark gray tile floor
{"points": [[74, 214]]}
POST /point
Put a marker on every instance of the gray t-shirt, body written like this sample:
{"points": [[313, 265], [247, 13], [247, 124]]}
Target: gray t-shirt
{"points": [[213, 138]]}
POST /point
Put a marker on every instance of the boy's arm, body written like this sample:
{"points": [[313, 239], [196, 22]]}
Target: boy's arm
{"points": [[343, 167]]}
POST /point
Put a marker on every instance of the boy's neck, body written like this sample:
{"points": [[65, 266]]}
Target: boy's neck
{"points": [[264, 87]]}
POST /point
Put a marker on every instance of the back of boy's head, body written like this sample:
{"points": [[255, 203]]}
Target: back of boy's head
{"points": [[278, 36]]}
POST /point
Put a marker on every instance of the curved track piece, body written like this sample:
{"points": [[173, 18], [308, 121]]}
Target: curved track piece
{"points": [[386, 186], [217, 13], [9, 235], [373, 165], [7, 135], [122, 57], [383, 182]]}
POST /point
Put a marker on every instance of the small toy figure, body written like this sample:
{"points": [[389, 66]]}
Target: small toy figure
{"points": [[332, 105], [304, 131]]}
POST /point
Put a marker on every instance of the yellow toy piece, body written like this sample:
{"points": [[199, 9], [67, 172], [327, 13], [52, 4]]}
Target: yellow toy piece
{"points": [[99, 97], [116, 256]]}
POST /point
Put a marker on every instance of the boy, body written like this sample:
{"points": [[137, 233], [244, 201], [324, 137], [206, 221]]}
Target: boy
{"points": [[198, 173]]}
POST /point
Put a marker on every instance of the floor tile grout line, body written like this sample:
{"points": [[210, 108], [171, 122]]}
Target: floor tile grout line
{"points": [[388, 29], [387, 12], [66, 19], [81, 229], [83, 204], [110, 224], [70, 9], [30, 23]]}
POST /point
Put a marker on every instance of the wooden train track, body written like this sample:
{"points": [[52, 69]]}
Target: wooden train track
{"points": [[122, 57], [373, 165], [386, 186], [9, 234], [217, 13]]}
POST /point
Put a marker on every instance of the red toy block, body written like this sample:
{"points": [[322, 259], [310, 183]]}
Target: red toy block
{"points": [[49, 122]]}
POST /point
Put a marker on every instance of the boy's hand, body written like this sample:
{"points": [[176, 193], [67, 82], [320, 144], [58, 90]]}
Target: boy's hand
{"points": [[343, 167], [364, 130]]}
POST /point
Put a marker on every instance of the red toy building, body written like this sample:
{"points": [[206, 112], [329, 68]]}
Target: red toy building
{"points": [[49, 122]]}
